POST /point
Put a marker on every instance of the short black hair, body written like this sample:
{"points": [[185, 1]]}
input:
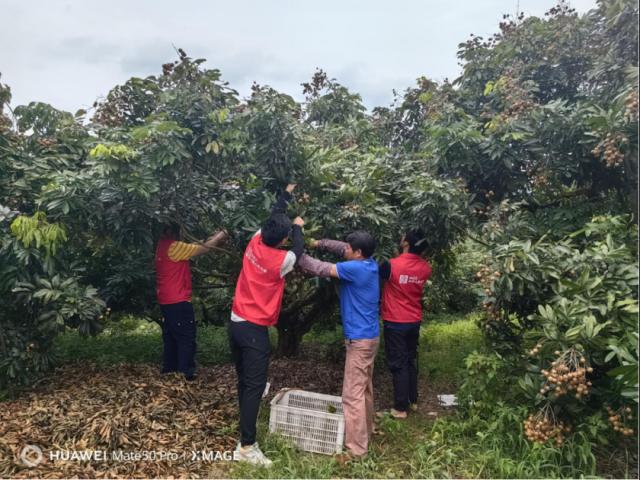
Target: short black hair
{"points": [[362, 241], [171, 229], [275, 229], [417, 241]]}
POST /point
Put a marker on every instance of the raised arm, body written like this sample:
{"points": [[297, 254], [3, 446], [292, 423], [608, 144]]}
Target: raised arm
{"points": [[297, 240], [213, 241], [284, 198], [281, 205], [181, 251], [333, 246], [317, 268]]}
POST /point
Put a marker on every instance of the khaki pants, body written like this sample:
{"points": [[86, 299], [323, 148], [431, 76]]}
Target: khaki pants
{"points": [[357, 394]]}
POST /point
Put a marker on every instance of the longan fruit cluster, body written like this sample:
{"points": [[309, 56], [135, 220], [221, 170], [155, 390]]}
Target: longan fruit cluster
{"points": [[518, 107], [106, 314], [304, 198], [5, 123], [568, 374], [631, 106], [482, 210], [517, 99], [535, 350], [352, 209], [487, 276], [167, 68], [543, 426], [610, 149], [617, 419], [492, 311], [492, 226], [47, 142], [233, 185], [540, 179]]}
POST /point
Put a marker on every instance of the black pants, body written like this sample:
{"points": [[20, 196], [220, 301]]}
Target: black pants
{"points": [[250, 349], [179, 338], [401, 351]]}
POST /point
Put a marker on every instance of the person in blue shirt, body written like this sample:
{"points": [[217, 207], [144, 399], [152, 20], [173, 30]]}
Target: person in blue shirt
{"points": [[359, 303]]}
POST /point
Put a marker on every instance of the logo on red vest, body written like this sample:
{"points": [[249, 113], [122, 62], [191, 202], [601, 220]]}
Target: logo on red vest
{"points": [[252, 258], [404, 279]]}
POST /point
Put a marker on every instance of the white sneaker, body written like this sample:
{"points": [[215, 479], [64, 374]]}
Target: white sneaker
{"points": [[252, 454]]}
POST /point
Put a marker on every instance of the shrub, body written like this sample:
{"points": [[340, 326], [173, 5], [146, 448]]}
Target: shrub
{"points": [[565, 314]]}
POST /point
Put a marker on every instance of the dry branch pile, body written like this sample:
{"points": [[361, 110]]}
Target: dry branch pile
{"points": [[130, 408], [124, 408]]}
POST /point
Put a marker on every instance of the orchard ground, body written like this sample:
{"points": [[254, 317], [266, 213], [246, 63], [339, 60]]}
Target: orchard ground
{"points": [[107, 395]]}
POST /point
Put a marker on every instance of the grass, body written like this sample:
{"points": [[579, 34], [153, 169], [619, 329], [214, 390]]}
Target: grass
{"points": [[133, 340], [445, 341], [446, 344], [392, 454], [455, 446], [450, 447]]}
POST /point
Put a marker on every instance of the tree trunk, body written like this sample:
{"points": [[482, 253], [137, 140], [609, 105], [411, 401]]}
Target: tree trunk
{"points": [[294, 322], [631, 167], [290, 335]]}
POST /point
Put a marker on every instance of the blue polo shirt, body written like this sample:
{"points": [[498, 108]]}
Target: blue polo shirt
{"points": [[359, 298]]}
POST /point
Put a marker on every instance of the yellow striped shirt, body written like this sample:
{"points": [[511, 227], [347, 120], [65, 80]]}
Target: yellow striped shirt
{"points": [[180, 251]]}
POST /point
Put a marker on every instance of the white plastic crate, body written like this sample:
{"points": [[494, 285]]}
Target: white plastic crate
{"points": [[313, 421]]}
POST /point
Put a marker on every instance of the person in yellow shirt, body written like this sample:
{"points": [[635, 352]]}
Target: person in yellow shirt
{"points": [[173, 288]]}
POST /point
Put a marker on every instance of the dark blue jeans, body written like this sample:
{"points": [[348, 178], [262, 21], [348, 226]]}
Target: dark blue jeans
{"points": [[401, 352], [179, 338]]}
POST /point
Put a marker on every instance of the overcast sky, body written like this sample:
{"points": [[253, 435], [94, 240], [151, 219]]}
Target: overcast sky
{"points": [[69, 53]]}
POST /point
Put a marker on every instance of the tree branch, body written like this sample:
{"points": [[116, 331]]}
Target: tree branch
{"points": [[210, 274], [466, 232], [532, 207], [212, 287]]}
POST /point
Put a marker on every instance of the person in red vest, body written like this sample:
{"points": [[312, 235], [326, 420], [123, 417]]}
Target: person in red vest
{"points": [[405, 277], [173, 288], [256, 307]]}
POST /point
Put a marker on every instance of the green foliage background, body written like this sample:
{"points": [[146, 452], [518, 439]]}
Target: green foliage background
{"points": [[525, 168]]}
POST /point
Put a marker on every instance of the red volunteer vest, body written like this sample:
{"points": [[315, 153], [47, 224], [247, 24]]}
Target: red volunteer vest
{"points": [[258, 297], [173, 279], [402, 294]]}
